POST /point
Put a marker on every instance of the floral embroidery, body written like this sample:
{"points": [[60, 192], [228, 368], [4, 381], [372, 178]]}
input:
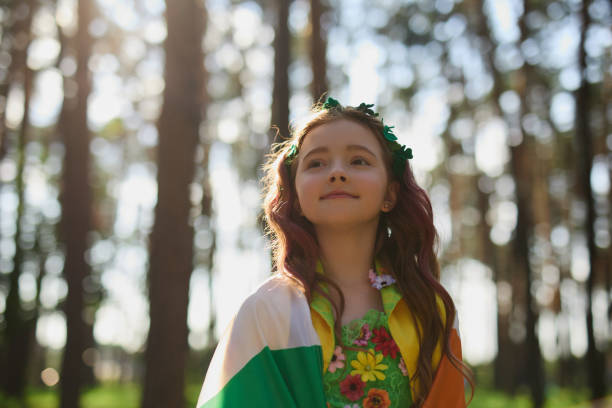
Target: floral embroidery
{"points": [[384, 342], [377, 399], [337, 360], [368, 365], [352, 387], [364, 336], [402, 367], [349, 384], [380, 281]]}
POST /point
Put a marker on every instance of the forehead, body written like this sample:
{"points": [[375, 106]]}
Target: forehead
{"points": [[339, 134]]}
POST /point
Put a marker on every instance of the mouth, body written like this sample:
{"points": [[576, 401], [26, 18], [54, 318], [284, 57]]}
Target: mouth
{"points": [[338, 195]]}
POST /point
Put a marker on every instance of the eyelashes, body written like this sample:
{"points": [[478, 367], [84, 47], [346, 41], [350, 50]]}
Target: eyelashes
{"points": [[359, 161]]}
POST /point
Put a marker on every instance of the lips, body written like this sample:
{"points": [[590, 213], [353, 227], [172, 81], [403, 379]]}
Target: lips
{"points": [[338, 194]]}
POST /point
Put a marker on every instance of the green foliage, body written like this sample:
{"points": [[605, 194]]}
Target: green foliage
{"points": [[555, 398], [110, 395], [114, 395]]}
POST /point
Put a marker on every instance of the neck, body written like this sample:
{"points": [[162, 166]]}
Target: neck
{"points": [[348, 254]]}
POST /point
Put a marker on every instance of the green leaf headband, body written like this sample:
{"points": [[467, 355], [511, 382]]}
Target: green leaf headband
{"points": [[399, 152]]}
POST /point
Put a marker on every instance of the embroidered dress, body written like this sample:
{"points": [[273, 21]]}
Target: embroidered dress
{"points": [[376, 377]]}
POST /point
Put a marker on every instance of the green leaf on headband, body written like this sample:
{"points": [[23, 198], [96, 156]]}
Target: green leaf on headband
{"points": [[331, 103], [366, 108], [291, 153], [388, 133]]}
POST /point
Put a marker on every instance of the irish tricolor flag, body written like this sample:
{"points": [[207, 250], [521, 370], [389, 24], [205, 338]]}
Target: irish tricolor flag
{"points": [[269, 356]]}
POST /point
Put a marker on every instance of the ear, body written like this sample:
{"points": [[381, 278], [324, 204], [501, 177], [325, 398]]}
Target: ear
{"points": [[390, 196]]}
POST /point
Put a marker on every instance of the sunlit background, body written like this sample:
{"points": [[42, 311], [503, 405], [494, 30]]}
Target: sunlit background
{"points": [[369, 60]]}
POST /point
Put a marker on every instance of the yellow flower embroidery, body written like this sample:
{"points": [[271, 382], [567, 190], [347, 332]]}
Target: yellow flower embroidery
{"points": [[367, 365]]}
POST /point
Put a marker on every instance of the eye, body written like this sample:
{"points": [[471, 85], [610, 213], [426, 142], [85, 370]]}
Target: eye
{"points": [[360, 161], [314, 163]]}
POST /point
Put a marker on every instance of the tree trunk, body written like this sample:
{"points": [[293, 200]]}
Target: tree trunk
{"points": [[534, 372], [583, 138], [171, 241], [280, 92], [521, 155], [17, 21], [16, 352], [317, 50], [207, 205], [76, 214]]}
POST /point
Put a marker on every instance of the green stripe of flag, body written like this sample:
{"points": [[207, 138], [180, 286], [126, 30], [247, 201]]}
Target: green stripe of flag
{"points": [[283, 378]]}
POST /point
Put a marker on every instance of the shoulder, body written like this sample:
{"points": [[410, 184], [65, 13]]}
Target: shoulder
{"points": [[273, 294], [277, 312]]}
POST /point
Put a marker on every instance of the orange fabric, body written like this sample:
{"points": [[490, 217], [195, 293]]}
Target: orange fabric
{"points": [[447, 390]]}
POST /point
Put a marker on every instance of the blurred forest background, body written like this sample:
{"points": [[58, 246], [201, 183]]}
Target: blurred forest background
{"points": [[131, 138]]}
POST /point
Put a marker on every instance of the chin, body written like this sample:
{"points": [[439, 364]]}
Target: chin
{"points": [[343, 220]]}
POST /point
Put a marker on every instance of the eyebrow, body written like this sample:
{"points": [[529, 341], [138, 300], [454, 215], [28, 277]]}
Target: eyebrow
{"points": [[323, 149]]}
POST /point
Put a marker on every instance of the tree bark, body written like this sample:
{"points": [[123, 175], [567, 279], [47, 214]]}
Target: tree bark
{"points": [[17, 21], [583, 138], [521, 155], [280, 92], [17, 319], [318, 45], [171, 241], [76, 221]]}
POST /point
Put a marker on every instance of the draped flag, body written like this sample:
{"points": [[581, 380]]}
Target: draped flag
{"points": [[271, 355]]}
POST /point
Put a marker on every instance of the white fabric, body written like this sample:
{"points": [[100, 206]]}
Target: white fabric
{"points": [[276, 315]]}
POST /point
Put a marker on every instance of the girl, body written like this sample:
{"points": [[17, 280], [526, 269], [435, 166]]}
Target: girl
{"points": [[354, 315]]}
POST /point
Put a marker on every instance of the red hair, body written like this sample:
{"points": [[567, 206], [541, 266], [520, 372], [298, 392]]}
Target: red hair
{"points": [[405, 243]]}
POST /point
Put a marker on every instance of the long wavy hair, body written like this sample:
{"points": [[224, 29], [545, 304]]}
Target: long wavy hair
{"points": [[405, 243]]}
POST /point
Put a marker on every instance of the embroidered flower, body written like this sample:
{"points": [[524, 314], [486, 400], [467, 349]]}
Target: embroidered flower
{"points": [[337, 360], [377, 398], [384, 342], [352, 387], [372, 276], [368, 365], [380, 281], [402, 367], [364, 336]]}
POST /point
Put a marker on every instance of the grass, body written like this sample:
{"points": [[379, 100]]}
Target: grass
{"points": [[128, 396]]}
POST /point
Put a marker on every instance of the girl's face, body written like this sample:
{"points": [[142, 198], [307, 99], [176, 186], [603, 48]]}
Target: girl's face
{"points": [[341, 178]]}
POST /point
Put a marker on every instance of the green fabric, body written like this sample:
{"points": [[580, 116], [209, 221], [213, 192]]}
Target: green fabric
{"points": [[395, 384], [284, 378]]}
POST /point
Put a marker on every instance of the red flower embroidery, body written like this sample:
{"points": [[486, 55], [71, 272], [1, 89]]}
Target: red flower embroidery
{"points": [[384, 342], [377, 399], [352, 387]]}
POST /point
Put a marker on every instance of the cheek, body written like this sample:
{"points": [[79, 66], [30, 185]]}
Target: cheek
{"points": [[376, 183], [306, 188]]}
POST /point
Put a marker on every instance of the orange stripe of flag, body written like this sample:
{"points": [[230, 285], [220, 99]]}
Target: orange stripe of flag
{"points": [[447, 389]]}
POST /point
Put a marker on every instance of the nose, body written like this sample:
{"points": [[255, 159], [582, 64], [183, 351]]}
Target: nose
{"points": [[337, 173]]}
